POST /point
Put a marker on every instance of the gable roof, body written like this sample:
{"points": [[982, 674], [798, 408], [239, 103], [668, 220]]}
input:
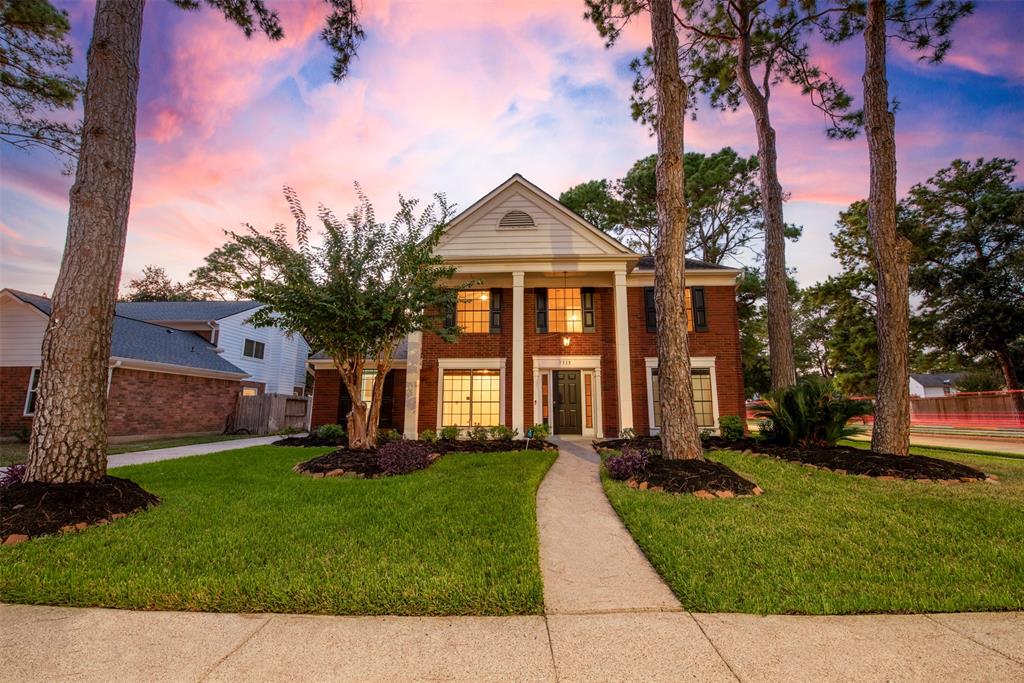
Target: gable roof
{"points": [[937, 379], [139, 340], [183, 311], [537, 197]]}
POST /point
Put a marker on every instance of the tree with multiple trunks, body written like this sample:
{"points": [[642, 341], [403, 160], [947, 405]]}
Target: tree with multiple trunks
{"points": [[739, 50], [356, 295], [35, 82], [924, 25], [969, 259], [679, 436], [69, 439]]}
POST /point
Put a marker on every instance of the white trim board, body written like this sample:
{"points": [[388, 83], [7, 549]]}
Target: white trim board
{"points": [[708, 362]]}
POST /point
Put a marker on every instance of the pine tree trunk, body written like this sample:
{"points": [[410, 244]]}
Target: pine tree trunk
{"points": [[69, 432], [890, 250], [679, 436], [1012, 383], [780, 319]]}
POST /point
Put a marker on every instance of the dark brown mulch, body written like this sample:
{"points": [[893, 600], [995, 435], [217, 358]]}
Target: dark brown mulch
{"points": [[645, 442], [468, 446], [850, 460], [691, 476], [352, 462], [36, 509], [309, 441]]}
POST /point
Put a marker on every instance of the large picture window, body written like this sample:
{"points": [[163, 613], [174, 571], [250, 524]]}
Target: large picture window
{"points": [[471, 398], [565, 310], [703, 398]]}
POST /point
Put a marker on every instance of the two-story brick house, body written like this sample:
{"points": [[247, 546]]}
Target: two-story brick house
{"points": [[559, 329]]}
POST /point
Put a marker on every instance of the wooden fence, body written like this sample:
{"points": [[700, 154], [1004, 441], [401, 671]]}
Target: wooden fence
{"points": [[270, 413]]}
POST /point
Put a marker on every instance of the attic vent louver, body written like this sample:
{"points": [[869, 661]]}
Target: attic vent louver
{"points": [[514, 220]]}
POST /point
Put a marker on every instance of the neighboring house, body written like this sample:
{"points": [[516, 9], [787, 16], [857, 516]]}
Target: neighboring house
{"points": [[274, 360], [934, 384], [561, 329], [161, 381]]}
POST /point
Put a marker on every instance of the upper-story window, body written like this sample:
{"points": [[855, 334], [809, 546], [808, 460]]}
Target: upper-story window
{"points": [[697, 315], [477, 311], [565, 310], [253, 349], [516, 220]]}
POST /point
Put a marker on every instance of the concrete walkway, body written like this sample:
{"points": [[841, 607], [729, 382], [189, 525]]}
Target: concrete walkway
{"points": [[158, 454]]}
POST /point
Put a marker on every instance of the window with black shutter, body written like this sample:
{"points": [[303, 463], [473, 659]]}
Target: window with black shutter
{"points": [[700, 314], [542, 310], [650, 310], [495, 311], [587, 298]]}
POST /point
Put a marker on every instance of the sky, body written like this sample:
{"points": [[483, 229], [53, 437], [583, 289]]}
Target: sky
{"points": [[455, 97]]}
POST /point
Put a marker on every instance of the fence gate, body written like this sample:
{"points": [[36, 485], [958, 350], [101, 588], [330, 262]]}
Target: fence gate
{"points": [[270, 413]]}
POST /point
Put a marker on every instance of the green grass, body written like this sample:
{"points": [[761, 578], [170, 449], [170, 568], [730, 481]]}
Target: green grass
{"points": [[13, 452], [238, 531], [824, 543]]}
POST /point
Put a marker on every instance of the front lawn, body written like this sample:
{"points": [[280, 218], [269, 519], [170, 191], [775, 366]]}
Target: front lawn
{"points": [[14, 452], [238, 531], [818, 542]]}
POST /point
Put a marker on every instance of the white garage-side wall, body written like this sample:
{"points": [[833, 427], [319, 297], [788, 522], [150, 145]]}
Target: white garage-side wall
{"points": [[21, 333], [283, 355]]}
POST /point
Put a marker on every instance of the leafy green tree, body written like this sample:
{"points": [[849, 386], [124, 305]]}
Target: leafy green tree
{"points": [[750, 293], [356, 295], [724, 212], [69, 439], [981, 379], [969, 265], [156, 285], [35, 82]]}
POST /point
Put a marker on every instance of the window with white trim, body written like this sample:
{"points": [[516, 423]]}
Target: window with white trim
{"points": [[471, 398], [366, 387], [253, 349], [703, 399], [33, 392]]}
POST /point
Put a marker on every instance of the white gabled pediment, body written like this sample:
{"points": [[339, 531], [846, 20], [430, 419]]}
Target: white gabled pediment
{"points": [[519, 219]]}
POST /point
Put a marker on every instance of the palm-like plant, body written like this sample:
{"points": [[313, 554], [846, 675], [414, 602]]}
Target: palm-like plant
{"points": [[811, 413]]}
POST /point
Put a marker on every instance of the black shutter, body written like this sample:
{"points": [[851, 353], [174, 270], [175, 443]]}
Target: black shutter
{"points": [[449, 315], [587, 297], [387, 401], [542, 310], [650, 310], [700, 314], [495, 311]]}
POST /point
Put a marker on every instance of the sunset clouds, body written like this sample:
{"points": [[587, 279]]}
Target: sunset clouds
{"points": [[454, 97]]}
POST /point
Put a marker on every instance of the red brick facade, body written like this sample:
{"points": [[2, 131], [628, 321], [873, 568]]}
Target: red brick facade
{"points": [[327, 399], [139, 403]]}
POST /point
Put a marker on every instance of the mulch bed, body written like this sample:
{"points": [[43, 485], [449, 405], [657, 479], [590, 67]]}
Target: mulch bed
{"points": [[468, 446], [702, 478], [309, 441], [34, 509], [850, 460]]}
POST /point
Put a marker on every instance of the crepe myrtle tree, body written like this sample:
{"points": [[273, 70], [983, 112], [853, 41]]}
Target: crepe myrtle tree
{"points": [[356, 294], [69, 431]]}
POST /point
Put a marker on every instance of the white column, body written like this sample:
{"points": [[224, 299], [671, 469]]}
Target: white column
{"points": [[414, 360], [518, 372], [622, 375], [598, 411]]}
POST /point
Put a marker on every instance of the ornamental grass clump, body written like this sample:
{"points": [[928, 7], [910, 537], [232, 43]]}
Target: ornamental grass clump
{"points": [[402, 457], [630, 463]]}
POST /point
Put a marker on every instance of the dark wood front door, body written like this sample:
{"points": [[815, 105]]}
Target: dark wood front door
{"points": [[568, 411]]}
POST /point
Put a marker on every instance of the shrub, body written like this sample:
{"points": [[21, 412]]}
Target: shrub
{"points": [[811, 413], [402, 457], [387, 436], [539, 431], [428, 436], [12, 475], [503, 433], [627, 433], [335, 432], [449, 433], [288, 430], [630, 463], [479, 433], [731, 427], [705, 434]]}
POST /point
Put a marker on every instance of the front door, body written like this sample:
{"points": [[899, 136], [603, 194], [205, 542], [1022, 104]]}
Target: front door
{"points": [[568, 418]]}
